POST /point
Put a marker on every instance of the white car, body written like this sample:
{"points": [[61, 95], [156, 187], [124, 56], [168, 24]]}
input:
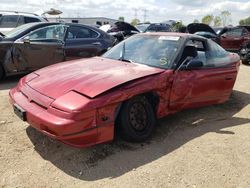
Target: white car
{"points": [[11, 19]]}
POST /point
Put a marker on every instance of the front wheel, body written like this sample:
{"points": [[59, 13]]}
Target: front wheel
{"points": [[136, 120]]}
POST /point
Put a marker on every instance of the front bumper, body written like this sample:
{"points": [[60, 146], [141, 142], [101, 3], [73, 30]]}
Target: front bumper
{"points": [[82, 133]]}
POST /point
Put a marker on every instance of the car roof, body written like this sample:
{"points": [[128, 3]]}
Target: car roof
{"points": [[19, 13], [245, 26], [175, 34]]}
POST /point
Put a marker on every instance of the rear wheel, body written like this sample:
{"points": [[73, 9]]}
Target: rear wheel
{"points": [[136, 120]]}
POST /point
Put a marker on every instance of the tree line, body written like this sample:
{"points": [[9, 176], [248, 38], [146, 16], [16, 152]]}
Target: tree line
{"points": [[222, 19]]}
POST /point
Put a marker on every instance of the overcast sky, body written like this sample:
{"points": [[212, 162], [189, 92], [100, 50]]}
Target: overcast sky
{"points": [[185, 10]]}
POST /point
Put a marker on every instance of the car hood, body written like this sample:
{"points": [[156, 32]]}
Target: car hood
{"points": [[198, 27], [123, 26], [90, 77], [118, 26]]}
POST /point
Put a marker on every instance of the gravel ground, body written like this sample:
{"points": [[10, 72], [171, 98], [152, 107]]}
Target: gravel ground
{"points": [[205, 147]]}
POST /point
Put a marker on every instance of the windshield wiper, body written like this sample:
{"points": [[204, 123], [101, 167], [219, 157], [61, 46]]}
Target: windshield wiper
{"points": [[127, 60]]}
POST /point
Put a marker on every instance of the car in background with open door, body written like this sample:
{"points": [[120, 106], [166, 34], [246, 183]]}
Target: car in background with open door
{"points": [[36, 45]]}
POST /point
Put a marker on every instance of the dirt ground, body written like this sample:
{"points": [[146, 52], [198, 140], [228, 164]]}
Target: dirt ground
{"points": [[205, 147]]}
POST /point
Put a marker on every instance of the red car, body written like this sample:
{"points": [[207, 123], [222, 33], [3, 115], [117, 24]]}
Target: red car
{"points": [[145, 77], [233, 39]]}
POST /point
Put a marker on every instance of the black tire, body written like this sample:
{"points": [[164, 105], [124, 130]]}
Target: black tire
{"points": [[245, 62], [1, 72], [136, 120]]}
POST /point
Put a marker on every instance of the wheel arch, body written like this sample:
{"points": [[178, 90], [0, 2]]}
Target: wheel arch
{"points": [[151, 96]]}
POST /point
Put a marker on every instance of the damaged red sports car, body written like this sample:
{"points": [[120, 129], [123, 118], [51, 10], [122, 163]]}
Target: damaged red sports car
{"points": [[143, 78]]}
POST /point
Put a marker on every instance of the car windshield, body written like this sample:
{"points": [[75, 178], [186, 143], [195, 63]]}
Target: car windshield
{"points": [[142, 27], [16, 31], [152, 50]]}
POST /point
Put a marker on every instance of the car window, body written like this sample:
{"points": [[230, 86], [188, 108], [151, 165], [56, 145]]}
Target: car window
{"points": [[201, 49], [158, 28], [20, 21], [233, 33], [49, 32], [155, 51], [244, 32], [8, 21], [30, 19], [78, 32], [142, 28], [216, 55], [18, 30]]}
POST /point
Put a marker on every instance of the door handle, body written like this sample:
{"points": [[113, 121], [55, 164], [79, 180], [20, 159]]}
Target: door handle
{"points": [[96, 43]]}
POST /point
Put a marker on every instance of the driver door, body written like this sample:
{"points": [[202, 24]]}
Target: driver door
{"points": [[40, 48], [209, 84]]}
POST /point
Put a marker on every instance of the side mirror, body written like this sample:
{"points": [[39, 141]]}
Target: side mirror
{"points": [[194, 64], [26, 40]]}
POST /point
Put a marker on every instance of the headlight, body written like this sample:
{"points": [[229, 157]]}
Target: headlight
{"points": [[71, 101], [73, 105]]}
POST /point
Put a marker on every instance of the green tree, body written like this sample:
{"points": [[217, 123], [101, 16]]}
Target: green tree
{"points": [[207, 19], [226, 17], [178, 25], [196, 21], [135, 21], [217, 21], [245, 21], [121, 18]]}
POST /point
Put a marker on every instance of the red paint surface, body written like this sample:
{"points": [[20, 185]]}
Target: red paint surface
{"points": [[77, 102]]}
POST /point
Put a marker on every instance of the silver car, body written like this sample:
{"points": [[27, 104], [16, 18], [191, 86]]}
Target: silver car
{"points": [[11, 19]]}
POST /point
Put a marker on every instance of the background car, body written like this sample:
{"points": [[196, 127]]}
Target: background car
{"points": [[154, 27], [36, 45], [10, 20], [144, 77], [120, 30], [203, 30], [232, 39], [158, 27]]}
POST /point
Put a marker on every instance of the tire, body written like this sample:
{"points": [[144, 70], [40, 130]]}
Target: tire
{"points": [[245, 62], [1, 72], [136, 120]]}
